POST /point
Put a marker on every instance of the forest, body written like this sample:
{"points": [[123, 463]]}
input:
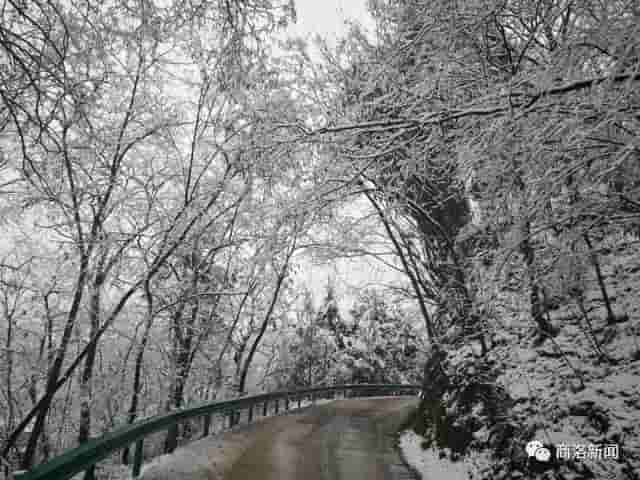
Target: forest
{"points": [[169, 169]]}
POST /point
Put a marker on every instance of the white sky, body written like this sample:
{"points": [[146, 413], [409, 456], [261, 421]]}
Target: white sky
{"points": [[327, 17]]}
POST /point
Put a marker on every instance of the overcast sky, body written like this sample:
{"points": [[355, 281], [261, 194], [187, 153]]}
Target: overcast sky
{"points": [[327, 17]]}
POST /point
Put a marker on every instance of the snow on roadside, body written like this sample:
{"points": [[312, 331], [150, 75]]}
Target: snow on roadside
{"points": [[429, 464], [198, 460], [309, 403], [108, 471], [433, 464]]}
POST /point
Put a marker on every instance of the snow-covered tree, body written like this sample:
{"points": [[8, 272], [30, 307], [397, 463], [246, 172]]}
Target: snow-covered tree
{"points": [[374, 344]]}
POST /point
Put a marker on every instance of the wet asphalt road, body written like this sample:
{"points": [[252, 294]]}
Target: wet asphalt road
{"points": [[342, 440]]}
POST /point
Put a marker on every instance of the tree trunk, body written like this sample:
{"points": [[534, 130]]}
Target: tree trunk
{"points": [[182, 350], [84, 428], [45, 343], [55, 381], [405, 264], [177, 400], [8, 348], [171, 440], [216, 379], [56, 368], [137, 372], [239, 354], [86, 391], [263, 328], [611, 318], [434, 385], [265, 322], [535, 298]]}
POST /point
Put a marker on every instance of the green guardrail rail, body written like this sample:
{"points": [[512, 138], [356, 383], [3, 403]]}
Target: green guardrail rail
{"points": [[84, 457]]}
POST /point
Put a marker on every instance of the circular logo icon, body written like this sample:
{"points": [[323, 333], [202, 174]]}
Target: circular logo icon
{"points": [[537, 450], [532, 446], [543, 454]]}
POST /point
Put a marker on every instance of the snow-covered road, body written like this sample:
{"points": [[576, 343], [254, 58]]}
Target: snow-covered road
{"points": [[341, 440]]}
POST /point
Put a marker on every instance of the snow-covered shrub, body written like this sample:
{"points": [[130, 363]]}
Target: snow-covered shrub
{"points": [[374, 345]]}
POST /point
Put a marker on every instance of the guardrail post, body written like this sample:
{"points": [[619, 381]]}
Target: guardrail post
{"points": [[89, 474], [250, 413], [207, 425], [137, 458]]}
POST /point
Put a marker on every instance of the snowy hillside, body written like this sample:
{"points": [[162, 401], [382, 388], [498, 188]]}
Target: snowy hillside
{"points": [[564, 393]]}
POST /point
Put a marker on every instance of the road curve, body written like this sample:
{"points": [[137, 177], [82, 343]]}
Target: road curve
{"points": [[341, 440]]}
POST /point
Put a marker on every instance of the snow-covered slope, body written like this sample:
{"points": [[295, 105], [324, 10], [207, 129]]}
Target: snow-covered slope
{"points": [[564, 392]]}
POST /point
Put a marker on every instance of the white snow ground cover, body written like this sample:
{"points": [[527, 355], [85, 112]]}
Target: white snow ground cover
{"points": [[433, 464], [543, 379], [428, 462]]}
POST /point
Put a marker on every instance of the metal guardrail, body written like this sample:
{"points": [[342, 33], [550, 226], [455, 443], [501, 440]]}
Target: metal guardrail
{"points": [[85, 456]]}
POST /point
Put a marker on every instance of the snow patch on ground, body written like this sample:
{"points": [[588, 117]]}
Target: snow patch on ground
{"points": [[108, 471], [193, 462], [432, 466], [309, 403]]}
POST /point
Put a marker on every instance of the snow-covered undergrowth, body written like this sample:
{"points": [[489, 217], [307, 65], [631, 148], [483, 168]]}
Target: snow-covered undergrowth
{"points": [[603, 408], [562, 392]]}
